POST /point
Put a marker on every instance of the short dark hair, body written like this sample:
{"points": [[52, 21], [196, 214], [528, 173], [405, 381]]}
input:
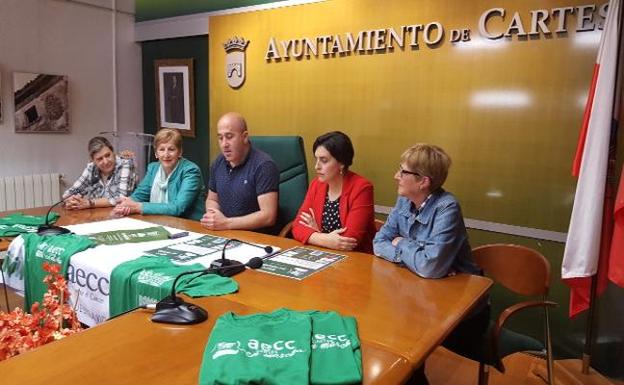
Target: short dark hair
{"points": [[98, 143], [339, 146]]}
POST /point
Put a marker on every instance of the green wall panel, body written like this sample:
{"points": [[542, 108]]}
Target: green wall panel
{"points": [[195, 149]]}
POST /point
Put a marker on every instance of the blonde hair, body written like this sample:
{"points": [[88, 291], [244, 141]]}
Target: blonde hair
{"points": [[166, 135], [428, 160]]}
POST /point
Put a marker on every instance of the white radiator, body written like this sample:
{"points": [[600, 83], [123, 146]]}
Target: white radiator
{"points": [[25, 191]]}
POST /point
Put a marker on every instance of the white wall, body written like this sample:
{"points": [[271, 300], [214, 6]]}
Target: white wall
{"points": [[70, 38]]}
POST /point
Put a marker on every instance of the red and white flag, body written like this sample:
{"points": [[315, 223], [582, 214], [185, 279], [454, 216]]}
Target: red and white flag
{"points": [[616, 258], [583, 245]]}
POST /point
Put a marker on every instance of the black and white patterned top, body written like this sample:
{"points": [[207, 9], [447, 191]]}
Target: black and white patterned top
{"points": [[91, 185], [331, 215]]}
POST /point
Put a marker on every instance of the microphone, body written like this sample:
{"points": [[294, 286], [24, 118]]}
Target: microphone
{"points": [[174, 310], [47, 228], [236, 267], [255, 263]]}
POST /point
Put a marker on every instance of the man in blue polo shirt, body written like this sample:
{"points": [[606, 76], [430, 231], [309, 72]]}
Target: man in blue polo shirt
{"points": [[243, 182]]}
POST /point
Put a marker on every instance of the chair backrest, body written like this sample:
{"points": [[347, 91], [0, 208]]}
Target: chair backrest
{"points": [[289, 155], [518, 268]]}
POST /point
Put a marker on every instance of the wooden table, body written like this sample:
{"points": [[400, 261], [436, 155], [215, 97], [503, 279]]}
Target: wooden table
{"points": [[401, 319], [133, 350], [4, 244]]}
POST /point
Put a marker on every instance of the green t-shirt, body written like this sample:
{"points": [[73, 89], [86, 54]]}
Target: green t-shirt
{"points": [[54, 249], [264, 348], [117, 237], [15, 224], [148, 279], [336, 354]]}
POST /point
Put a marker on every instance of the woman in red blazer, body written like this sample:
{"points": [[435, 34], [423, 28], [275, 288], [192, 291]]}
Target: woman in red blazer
{"points": [[338, 210]]}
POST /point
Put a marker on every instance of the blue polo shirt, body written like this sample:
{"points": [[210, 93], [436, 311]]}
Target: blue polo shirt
{"points": [[238, 187]]}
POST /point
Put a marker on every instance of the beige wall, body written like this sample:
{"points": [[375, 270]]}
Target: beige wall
{"points": [[74, 39]]}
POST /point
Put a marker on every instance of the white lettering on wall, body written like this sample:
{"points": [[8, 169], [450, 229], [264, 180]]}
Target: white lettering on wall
{"points": [[485, 16], [538, 22], [493, 24], [587, 19]]}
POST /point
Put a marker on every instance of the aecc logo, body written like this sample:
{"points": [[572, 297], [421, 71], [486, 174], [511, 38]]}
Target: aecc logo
{"points": [[91, 281]]}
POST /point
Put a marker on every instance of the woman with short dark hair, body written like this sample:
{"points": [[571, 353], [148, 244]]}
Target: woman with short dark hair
{"points": [[104, 181], [338, 210]]}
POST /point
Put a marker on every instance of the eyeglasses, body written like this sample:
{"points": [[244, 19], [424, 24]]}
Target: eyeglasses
{"points": [[403, 172]]}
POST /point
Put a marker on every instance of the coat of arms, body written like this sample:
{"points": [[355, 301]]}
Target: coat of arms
{"points": [[235, 61]]}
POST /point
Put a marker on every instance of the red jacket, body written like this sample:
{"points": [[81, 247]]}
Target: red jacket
{"points": [[356, 210]]}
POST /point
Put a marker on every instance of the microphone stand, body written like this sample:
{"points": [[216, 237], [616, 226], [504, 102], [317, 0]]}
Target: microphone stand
{"points": [[47, 228], [174, 310], [233, 267]]}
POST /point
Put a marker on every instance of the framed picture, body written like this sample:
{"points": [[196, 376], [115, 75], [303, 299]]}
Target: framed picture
{"points": [[41, 103], [175, 96]]}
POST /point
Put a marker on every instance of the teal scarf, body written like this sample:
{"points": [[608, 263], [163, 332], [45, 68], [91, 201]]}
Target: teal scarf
{"points": [[159, 192]]}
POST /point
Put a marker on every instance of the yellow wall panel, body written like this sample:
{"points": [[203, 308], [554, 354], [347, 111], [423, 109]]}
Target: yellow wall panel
{"points": [[512, 154]]}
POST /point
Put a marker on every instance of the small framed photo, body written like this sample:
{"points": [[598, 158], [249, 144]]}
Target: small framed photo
{"points": [[41, 103], [175, 96]]}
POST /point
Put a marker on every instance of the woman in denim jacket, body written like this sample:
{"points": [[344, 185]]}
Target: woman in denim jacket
{"points": [[425, 232]]}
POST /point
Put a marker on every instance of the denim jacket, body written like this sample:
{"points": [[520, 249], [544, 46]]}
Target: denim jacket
{"points": [[435, 241]]}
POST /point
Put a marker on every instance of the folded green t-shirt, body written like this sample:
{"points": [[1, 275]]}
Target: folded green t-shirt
{"points": [[148, 279], [280, 348], [54, 249], [336, 354], [17, 223], [263, 348]]}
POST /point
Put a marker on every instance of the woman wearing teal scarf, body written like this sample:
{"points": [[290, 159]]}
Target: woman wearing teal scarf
{"points": [[172, 186]]}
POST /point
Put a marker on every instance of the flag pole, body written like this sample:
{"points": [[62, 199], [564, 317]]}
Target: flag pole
{"points": [[605, 243], [609, 202], [589, 326]]}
